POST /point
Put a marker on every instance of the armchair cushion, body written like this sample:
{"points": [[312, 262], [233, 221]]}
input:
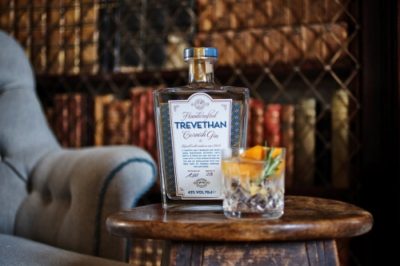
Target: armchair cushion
{"points": [[71, 192]]}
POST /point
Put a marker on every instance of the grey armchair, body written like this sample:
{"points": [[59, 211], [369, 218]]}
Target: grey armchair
{"points": [[54, 201]]}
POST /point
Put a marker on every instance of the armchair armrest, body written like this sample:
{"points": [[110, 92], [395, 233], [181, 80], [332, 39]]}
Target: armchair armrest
{"points": [[72, 192]]}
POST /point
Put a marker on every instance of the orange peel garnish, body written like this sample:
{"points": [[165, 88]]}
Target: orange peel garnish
{"points": [[258, 152], [245, 167]]}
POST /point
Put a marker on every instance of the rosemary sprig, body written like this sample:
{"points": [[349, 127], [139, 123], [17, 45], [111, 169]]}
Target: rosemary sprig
{"points": [[270, 166]]}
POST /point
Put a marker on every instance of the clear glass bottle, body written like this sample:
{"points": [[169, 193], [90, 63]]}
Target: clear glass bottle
{"points": [[195, 124]]}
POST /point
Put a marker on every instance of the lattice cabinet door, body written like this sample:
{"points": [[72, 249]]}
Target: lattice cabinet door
{"points": [[98, 61]]}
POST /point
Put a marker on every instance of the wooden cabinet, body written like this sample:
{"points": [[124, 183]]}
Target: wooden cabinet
{"points": [[300, 60], [335, 62]]}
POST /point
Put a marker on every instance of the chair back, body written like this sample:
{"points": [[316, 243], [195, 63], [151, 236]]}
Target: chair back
{"points": [[24, 134]]}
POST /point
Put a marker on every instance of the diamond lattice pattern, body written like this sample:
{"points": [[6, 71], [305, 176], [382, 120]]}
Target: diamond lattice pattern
{"points": [[97, 61]]}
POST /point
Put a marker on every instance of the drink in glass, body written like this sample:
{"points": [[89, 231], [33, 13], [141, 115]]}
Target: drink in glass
{"points": [[254, 187]]}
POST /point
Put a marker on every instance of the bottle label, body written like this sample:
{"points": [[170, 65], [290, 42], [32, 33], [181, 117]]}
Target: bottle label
{"points": [[200, 130]]}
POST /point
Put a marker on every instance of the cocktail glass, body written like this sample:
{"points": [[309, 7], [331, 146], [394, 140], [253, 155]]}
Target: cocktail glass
{"points": [[254, 188]]}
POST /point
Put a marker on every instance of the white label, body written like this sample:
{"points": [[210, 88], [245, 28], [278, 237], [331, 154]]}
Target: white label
{"points": [[200, 128]]}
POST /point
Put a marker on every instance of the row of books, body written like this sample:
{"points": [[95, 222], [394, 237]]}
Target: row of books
{"points": [[59, 37], [284, 44], [78, 120], [74, 36], [299, 128], [234, 14], [90, 36]]}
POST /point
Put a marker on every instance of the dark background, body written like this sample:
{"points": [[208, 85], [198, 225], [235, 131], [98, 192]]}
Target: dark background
{"points": [[380, 162]]}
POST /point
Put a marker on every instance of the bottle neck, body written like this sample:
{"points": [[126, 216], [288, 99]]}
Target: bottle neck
{"points": [[201, 70]]}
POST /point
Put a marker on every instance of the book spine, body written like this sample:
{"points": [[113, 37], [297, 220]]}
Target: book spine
{"points": [[250, 130], [71, 38], [71, 30], [304, 159], [272, 124], [142, 119], [99, 105], [240, 14], [61, 114], [332, 39], [39, 33], [287, 141], [55, 29], [151, 145], [136, 93], [89, 26], [322, 11], [125, 117], [258, 122], [142, 124], [71, 118], [78, 135], [7, 15], [205, 15], [23, 25], [340, 139], [117, 117]]}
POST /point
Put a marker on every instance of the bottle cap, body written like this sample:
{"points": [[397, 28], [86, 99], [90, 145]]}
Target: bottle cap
{"points": [[200, 52]]}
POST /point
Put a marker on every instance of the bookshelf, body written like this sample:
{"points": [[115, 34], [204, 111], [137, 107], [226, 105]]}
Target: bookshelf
{"points": [[362, 63], [299, 58], [338, 56]]}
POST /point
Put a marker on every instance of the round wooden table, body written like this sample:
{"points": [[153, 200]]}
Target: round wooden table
{"points": [[304, 235]]}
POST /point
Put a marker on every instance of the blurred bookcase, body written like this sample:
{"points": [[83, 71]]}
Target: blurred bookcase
{"points": [[97, 61]]}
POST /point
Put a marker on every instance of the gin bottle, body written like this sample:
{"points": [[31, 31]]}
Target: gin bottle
{"points": [[196, 124]]}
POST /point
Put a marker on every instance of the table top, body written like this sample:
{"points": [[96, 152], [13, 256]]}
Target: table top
{"points": [[304, 218]]}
